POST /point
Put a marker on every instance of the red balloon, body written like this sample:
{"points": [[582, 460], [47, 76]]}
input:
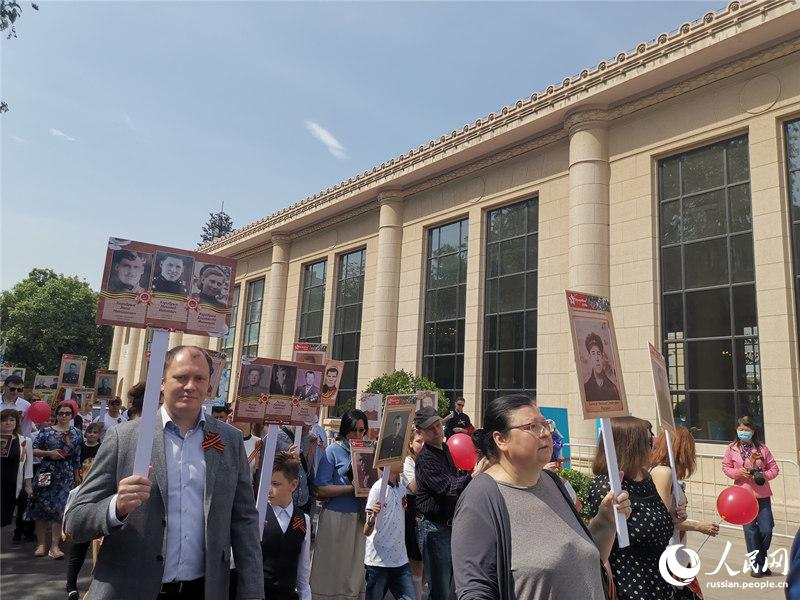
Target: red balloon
{"points": [[39, 412], [463, 451], [737, 505]]}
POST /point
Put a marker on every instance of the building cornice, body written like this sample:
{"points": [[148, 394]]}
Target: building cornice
{"points": [[647, 57]]}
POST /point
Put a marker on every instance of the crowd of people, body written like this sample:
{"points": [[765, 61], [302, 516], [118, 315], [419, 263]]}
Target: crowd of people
{"points": [[509, 528]]}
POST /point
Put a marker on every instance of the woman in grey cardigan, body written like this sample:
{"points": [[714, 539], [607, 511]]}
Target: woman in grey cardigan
{"points": [[516, 534]]}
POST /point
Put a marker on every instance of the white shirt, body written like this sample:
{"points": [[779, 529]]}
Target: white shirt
{"points": [[109, 422], [407, 476], [250, 443], [284, 515], [386, 545], [22, 406]]}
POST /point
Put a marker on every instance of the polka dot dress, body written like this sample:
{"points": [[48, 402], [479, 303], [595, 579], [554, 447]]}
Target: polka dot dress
{"points": [[635, 568]]}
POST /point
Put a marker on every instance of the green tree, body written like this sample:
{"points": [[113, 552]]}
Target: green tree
{"points": [[402, 382], [10, 12], [46, 315], [218, 224]]}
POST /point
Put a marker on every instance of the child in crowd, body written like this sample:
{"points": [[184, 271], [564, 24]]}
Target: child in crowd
{"points": [[91, 441], [385, 555]]}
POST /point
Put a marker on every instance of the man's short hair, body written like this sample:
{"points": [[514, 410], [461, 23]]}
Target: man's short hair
{"points": [[256, 369], [329, 369], [593, 340], [206, 268], [164, 256], [287, 464], [98, 427], [224, 408], [136, 392], [121, 255], [13, 379], [307, 372], [178, 349]]}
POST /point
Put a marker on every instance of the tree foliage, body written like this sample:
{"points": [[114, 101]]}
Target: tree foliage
{"points": [[10, 12], [403, 382], [46, 315], [218, 224]]}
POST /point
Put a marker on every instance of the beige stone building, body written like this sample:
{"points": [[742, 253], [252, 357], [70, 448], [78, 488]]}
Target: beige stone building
{"points": [[667, 178]]}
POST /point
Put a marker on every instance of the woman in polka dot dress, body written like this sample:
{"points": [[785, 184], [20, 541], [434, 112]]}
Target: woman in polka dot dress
{"points": [[650, 525]]}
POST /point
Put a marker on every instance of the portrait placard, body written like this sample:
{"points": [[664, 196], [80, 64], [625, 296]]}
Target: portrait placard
{"points": [[278, 392], [5, 444], [372, 406], [9, 371], [45, 383], [596, 356], [304, 352], [427, 398], [395, 433], [72, 371], [84, 397], [145, 285], [362, 457], [666, 418], [334, 369], [105, 384], [218, 362]]}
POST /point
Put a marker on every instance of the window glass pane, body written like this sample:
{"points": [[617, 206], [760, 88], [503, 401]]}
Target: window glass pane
{"points": [[709, 365], [739, 200], [512, 256], [533, 251], [793, 144], [316, 298], [671, 275], [491, 295], [750, 404], [706, 263], [708, 313], [704, 215], [492, 260], [512, 293], [670, 178], [673, 316], [445, 337], [506, 222], [449, 239], [713, 416], [511, 331], [671, 222], [738, 163], [448, 269], [531, 328], [445, 371], [510, 370], [490, 332], [744, 310], [742, 258], [530, 370], [533, 217], [531, 290], [748, 364], [794, 193], [703, 169]]}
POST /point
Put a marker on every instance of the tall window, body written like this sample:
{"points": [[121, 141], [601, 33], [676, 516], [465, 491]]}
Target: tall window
{"points": [[510, 308], [446, 289], [708, 309], [252, 317], [793, 168], [313, 306], [347, 326], [227, 344]]}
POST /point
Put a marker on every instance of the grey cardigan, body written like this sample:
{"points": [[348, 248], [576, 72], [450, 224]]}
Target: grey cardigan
{"points": [[481, 542]]}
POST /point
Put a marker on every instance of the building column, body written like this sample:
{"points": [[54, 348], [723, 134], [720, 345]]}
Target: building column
{"points": [[116, 348], [129, 359], [387, 282], [275, 299], [589, 271]]}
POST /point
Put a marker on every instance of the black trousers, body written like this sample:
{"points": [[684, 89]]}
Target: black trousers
{"points": [[22, 526], [186, 590], [77, 555]]}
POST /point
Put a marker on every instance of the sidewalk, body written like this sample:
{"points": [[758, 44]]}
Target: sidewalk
{"points": [[710, 557], [23, 575]]}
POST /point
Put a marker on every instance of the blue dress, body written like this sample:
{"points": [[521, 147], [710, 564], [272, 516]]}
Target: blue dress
{"points": [[47, 503]]}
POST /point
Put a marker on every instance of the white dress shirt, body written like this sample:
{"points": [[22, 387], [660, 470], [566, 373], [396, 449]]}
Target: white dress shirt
{"points": [[184, 559], [284, 515]]}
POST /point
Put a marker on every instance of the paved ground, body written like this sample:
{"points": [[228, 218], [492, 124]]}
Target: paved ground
{"points": [[24, 576]]}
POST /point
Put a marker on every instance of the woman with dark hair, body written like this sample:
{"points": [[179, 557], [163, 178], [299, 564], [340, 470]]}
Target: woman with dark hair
{"points": [[16, 465], [340, 541], [635, 568], [516, 533], [750, 464], [59, 447]]}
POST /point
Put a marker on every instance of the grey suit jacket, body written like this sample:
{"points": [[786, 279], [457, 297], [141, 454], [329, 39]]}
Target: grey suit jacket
{"points": [[131, 560]]}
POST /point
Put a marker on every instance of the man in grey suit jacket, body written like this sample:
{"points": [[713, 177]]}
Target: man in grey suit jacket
{"points": [[171, 539]]}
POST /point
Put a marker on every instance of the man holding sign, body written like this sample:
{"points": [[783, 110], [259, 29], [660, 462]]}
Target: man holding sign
{"points": [[179, 529]]}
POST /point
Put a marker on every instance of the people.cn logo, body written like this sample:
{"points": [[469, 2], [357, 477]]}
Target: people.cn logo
{"points": [[673, 571]]}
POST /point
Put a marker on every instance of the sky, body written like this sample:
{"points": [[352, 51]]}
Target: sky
{"points": [[138, 119]]}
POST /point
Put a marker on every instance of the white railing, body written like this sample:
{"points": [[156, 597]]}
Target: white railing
{"points": [[708, 481]]}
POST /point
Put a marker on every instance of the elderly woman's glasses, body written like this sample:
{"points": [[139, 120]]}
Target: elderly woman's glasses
{"points": [[64, 413], [537, 427]]}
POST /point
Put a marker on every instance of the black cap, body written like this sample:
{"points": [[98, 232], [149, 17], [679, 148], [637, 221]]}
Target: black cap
{"points": [[425, 417]]}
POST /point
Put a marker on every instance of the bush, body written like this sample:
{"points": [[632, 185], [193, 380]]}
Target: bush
{"points": [[403, 383], [580, 483]]}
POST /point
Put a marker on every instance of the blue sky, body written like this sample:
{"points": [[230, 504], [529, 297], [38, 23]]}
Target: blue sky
{"points": [[137, 119]]}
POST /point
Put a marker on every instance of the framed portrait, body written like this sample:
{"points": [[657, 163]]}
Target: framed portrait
{"points": [[332, 379], [372, 406], [9, 371], [84, 397], [362, 458], [282, 381], [427, 398], [596, 354], [307, 385], [105, 384], [218, 362], [395, 432], [309, 353], [146, 285], [45, 383], [666, 416], [5, 444], [72, 371]]}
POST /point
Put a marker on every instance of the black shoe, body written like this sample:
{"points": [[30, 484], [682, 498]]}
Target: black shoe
{"points": [[756, 574], [73, 595], [766, 573], [17, 537]]}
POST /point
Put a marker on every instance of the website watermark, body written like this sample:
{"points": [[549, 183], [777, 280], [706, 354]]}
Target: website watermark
{"points": [[679, 566]]}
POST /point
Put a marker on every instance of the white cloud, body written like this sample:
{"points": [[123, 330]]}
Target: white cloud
{"points": [[326, 137], [128, 121], [60, 134], [19, 140]]}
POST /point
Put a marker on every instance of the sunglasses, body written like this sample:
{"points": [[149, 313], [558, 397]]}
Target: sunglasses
{"points": [[15, 389], [360, 430], [64, 414]]}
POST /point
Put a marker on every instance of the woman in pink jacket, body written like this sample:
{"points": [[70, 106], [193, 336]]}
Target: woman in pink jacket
{"points": [[750, 464]]}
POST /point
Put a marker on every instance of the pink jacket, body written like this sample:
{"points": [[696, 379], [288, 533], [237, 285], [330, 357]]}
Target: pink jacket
{"points": [[732, 463]]}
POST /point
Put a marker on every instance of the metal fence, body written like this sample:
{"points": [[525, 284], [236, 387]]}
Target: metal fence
{"points": [[708, 481]]}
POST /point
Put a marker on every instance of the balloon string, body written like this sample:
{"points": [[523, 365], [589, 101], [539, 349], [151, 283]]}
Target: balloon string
{"points": [[708, 537]]}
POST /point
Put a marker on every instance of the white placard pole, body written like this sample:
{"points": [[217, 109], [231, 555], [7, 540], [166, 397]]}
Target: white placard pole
{"points": [[152, 394], [103, 410], [613, 479], [265, 480], [298, 438], [68, 394], [677, 492], [382, 495]]}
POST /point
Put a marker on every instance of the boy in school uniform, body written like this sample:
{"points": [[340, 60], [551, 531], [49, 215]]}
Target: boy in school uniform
{"points": [[385, 556]]}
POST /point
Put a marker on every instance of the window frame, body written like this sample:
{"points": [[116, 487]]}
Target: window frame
{"points": [[304, 311]]}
